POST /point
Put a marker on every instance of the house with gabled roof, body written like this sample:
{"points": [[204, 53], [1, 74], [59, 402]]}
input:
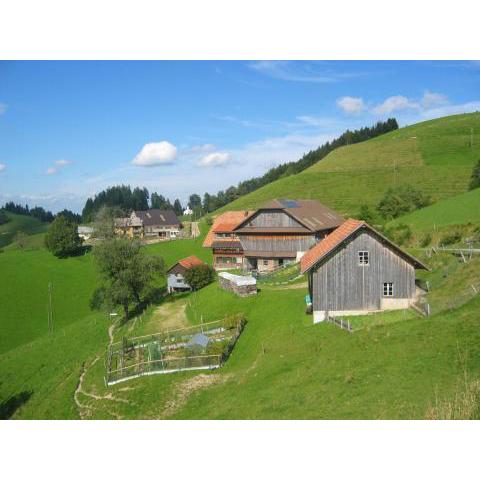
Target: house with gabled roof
{"points": [[281, 232], [355, 270], [176, 273], [149, 223], [226, 247]]}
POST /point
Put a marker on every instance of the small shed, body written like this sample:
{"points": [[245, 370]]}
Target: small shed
{"points": [[239, 284], [175, 275]]}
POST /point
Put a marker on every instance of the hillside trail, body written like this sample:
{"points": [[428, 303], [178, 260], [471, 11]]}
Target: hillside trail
{"points": [[84, 410]]}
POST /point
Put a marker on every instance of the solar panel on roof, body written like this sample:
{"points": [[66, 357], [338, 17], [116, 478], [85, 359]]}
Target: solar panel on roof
{"points": [[289, 203]]}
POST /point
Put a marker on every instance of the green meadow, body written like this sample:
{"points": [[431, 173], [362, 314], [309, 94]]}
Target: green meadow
{"points": [[436, 156], [395, 365]]}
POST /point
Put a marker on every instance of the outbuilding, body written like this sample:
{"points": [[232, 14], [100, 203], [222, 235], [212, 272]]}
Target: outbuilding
{"points": [[175, 275], [356, 270]]}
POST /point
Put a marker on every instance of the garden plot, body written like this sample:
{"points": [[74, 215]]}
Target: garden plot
{"points": [[200, 347]]}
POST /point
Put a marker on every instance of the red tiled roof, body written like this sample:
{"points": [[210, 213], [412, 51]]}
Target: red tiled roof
{"points": [[329, 243], [191, 261], [227, 220], [339, 235]]}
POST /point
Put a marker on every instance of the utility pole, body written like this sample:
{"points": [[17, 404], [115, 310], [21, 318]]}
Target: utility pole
{"points": [[50, 308]]}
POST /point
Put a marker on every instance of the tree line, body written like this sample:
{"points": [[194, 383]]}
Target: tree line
{"points": [[126, 199], [38, 212], [223, 197]]}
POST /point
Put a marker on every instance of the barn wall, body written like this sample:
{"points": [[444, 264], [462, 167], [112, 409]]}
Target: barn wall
{"points": [[341, 284], [277, 243], [272, 218]]}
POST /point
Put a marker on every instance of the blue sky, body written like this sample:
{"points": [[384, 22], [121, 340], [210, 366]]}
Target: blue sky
{"points": [[70, 129]]}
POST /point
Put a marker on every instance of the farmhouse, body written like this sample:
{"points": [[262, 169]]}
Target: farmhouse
{"points": [[225, 244], [281, 231], [149, 223], [175, 275], [355, 269]]}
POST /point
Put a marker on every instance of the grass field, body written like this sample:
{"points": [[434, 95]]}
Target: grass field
{"points": [[24, 223], [435, 155], [395, 366], [460, 209]]}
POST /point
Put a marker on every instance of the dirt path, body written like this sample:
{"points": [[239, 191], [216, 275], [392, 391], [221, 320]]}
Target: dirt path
{"points": [[84, 410], [195, 230]]}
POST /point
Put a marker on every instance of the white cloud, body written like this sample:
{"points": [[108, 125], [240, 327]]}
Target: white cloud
{"points": [[62, 163], [57, 167], [395, 103], [154, 154], [432, 99], [2, 167], [3, 108], [215, 159], [351, 105]]}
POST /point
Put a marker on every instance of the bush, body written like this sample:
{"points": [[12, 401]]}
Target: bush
{"points": [[426, 240], [475, 178], [400, 234], [62, 238], [451, 238], [400, 200], [367, 215], [199, 276]]}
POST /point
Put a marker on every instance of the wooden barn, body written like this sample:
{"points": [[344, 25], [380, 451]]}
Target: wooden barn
{"points": [[226, 247], [282, 231], [355, 270], [175, 275]]}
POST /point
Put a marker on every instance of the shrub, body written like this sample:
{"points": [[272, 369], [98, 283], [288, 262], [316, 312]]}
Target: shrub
{"points": [[451, 238], [199, 276], [62, 238], [475, 178], [3, 217], [426, 240], [367, 214], [400, 200], [400, 234]]}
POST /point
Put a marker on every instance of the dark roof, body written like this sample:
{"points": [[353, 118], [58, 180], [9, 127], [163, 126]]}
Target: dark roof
{"points": [[340, 235], [310, 213], [155, 216], [226, 244]]}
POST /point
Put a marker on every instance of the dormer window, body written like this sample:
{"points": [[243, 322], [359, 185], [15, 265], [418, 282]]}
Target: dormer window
{"points": [[363, 258]]}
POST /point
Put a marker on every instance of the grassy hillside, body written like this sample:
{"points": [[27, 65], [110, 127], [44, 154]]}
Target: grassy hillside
{"points": [[460, 209], [435, 155], [17, 223]]}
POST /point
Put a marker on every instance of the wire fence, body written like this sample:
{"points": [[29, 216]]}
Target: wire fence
{"points": [[199, 347]]}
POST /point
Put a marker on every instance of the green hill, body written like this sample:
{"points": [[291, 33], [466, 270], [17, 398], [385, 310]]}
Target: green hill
{"points": [[24, 223], [460, 209], [436, 156]]}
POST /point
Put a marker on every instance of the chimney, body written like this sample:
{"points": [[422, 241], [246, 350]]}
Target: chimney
{"points": [[245, 213]]}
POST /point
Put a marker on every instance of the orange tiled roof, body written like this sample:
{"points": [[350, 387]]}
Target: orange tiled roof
{"points": [[225, 222], [332, 240], [191, 261]]}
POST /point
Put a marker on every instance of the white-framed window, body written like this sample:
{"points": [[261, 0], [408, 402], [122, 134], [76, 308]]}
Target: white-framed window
{"points": [[388, 289], [363, 257]]}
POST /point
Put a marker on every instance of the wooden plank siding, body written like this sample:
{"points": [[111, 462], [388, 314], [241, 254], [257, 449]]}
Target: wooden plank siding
{"points": [[339, 283], [272, 218], [277, 243]]}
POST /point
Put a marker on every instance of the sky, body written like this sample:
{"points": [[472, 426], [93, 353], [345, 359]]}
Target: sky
{"points": [[70, 129]]}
